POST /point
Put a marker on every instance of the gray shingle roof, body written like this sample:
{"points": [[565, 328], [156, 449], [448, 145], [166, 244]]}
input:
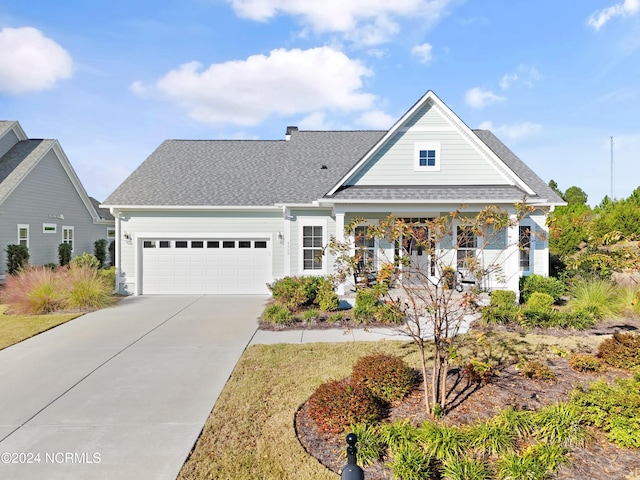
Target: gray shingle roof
{"points": [[264, 173], [103, 213], [15, 164]]}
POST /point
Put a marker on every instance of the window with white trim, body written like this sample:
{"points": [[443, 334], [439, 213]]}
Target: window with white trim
{"points": [[312, 242], [49, 228], [426, 156], [23, 235], [467, 244], [111, 233], [67, 236], [524, 245], [366, 247]]}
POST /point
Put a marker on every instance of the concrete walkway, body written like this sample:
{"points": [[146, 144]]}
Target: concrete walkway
{"points": [[121, 393]]}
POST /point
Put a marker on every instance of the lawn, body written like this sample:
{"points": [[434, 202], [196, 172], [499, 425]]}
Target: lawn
{"points": [[250, 433], [15, 328]]}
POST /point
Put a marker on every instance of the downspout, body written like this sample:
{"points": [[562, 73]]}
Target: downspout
{"points": [[116, 215]]}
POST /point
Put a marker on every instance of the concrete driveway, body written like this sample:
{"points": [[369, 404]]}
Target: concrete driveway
{"points": [[121, 393]]}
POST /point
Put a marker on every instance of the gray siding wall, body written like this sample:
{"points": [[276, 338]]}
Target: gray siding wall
{"points": [[47, 191], [8, 140], [174, 224], [460, 162]]}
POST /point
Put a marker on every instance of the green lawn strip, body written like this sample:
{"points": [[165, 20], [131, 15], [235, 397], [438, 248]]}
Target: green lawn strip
{"points": [[16, 328], [250, 432]]}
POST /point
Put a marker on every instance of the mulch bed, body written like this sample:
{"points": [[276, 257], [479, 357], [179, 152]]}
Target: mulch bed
{"points": [[598, 460]]}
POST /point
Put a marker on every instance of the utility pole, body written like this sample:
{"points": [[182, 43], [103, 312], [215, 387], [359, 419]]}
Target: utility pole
{"points": [[612, 195]]}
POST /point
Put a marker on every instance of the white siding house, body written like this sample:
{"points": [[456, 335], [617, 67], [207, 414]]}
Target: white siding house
{"points": [[231, 216]]}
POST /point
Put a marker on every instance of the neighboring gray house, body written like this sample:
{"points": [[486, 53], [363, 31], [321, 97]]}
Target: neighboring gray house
{"points": [[230, 216], [42, 202]]}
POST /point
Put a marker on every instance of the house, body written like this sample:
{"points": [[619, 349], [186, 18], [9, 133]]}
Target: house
{"points": [[42, 202], [229, 216]]}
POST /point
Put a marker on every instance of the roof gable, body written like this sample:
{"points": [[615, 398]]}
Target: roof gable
{"points": [[25, 155], [463, 158]]}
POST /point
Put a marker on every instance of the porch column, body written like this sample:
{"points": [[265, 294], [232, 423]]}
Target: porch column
{"points": [[340, 238], [512, 260]]}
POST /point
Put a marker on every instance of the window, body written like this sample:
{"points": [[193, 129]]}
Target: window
{"points": [[366, 248], [312, 238], [23, 235], [244, 244], [466, 252], [213, 244], [181, 244], [260, 244], [165, 244], [67, 236], [228, 244], [524, 242], [149, 244], [111, 233], [197, 244], [49, 228], [426, 156]]}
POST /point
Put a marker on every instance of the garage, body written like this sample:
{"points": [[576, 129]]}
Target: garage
{"points": [[206, 266]]}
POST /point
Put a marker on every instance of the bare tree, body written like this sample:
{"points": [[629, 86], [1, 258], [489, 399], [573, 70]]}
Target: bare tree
{"points": [[430, 271]]}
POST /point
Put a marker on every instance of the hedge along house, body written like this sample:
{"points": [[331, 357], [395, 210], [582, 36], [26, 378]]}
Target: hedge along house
{"points": [[43, 202], [230, 216]]}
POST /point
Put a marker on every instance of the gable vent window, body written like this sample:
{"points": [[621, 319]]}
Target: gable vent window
{"points": [[426, 156]]}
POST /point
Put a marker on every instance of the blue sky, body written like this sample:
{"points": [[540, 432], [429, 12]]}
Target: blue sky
{"points": [[112, 79]]}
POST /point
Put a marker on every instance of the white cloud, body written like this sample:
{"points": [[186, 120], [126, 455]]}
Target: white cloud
{"points": [[507, 79], [625, 9], [31, 62], [422, 52], [514, 131], [376, 119], [363, 21], [286, 82], [479, 98], [526, 74]]}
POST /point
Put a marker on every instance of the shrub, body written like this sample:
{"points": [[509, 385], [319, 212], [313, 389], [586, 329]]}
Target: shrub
{"points": [[598, 297], [326, 297], [538, 283], [537, 370], [85, 260], [621, 351], [409, 462], [100, 251], [366, 305], [278, 314], [478, 372], [109, 275], [17, 258], [614, 408], [389, 313], [583, 362], [335, 317], [388, 377], [540, 302], [112, 252], [34, 291], [504, 299], [337, 404], [499, 315], [296, 292], [87, 289], [64, 254], [311, 315]]}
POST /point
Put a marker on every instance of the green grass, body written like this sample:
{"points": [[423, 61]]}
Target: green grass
{"points": [[250, 433], [15, 328]]}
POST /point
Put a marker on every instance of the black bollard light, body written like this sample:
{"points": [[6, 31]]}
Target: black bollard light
{"points": [[351, 471]]}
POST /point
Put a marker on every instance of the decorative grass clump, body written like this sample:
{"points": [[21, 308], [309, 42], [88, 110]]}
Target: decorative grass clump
{"points": [[388, 377], [600, 298], [582, 362], [278, 314], [34, 291], [87, 289], [41, 290], [537, 371]]}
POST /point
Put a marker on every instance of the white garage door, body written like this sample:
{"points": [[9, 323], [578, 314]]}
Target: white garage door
{"points": [[231, 266]]}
